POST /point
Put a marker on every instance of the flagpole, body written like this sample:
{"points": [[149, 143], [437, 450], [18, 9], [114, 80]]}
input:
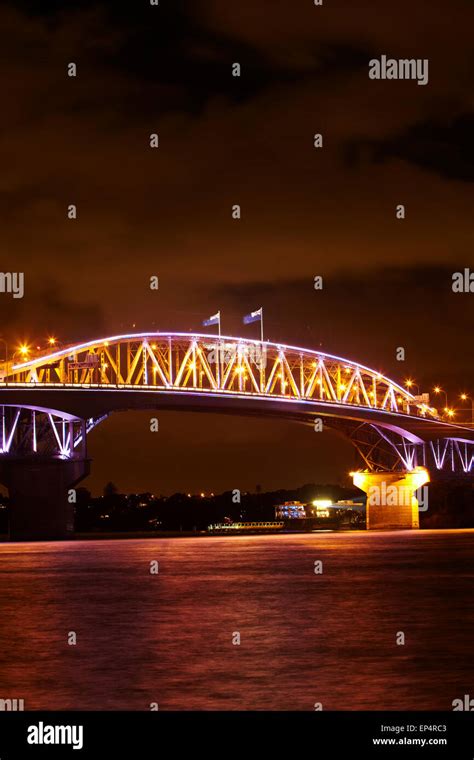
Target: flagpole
{"points": [[219, 324], [261, 324]]}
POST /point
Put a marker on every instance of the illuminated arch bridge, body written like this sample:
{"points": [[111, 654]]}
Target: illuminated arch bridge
{"points": [[51, 402]]}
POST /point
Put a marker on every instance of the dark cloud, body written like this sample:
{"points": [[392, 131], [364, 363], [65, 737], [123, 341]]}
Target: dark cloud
{"points": [[75, 318], [445, 148]]}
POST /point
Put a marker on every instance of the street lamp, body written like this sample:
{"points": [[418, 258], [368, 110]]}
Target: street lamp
{"points": [[23, 350], [438, 390], [465, 397], [411, 384]]}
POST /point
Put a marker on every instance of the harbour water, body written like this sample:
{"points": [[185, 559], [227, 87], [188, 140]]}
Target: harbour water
{"points": [[306, 637]]}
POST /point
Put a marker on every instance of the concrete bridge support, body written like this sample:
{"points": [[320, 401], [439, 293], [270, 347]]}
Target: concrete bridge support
{"points": [[40, 507], [391, 504]]}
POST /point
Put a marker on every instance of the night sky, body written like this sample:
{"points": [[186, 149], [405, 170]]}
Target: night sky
{"points": [[248, 141]]}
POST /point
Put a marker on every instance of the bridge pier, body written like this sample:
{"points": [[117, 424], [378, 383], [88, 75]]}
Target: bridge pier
{"points": [[391, 504], [38, 489]]}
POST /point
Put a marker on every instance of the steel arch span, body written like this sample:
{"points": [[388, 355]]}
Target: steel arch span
{"points": [[50, 402]]}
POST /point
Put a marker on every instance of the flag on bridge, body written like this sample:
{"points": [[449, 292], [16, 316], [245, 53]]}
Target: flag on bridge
{"points": [[255, 316], [214, 320]]}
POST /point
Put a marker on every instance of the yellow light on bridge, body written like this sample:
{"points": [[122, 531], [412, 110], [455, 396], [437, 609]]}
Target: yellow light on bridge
{"points": [[450, 412], [52, 341], [464, 397]]}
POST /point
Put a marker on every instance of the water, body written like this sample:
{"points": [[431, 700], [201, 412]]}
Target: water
{"points": [[305, 638]]}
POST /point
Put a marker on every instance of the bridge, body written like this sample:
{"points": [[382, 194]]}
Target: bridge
{"points": [[51, 402]]}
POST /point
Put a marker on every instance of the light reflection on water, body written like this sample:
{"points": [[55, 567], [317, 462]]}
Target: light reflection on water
{"points": [[305, 638]]}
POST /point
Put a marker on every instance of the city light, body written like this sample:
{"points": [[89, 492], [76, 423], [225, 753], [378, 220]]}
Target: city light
{"points": [[52, 341], [24, 350], [466, 397], [437, 389], [322, 503], [409, 383]]}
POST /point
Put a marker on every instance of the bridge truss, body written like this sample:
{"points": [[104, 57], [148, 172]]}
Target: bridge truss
{"points": [[345, 393], [206, 363]]}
